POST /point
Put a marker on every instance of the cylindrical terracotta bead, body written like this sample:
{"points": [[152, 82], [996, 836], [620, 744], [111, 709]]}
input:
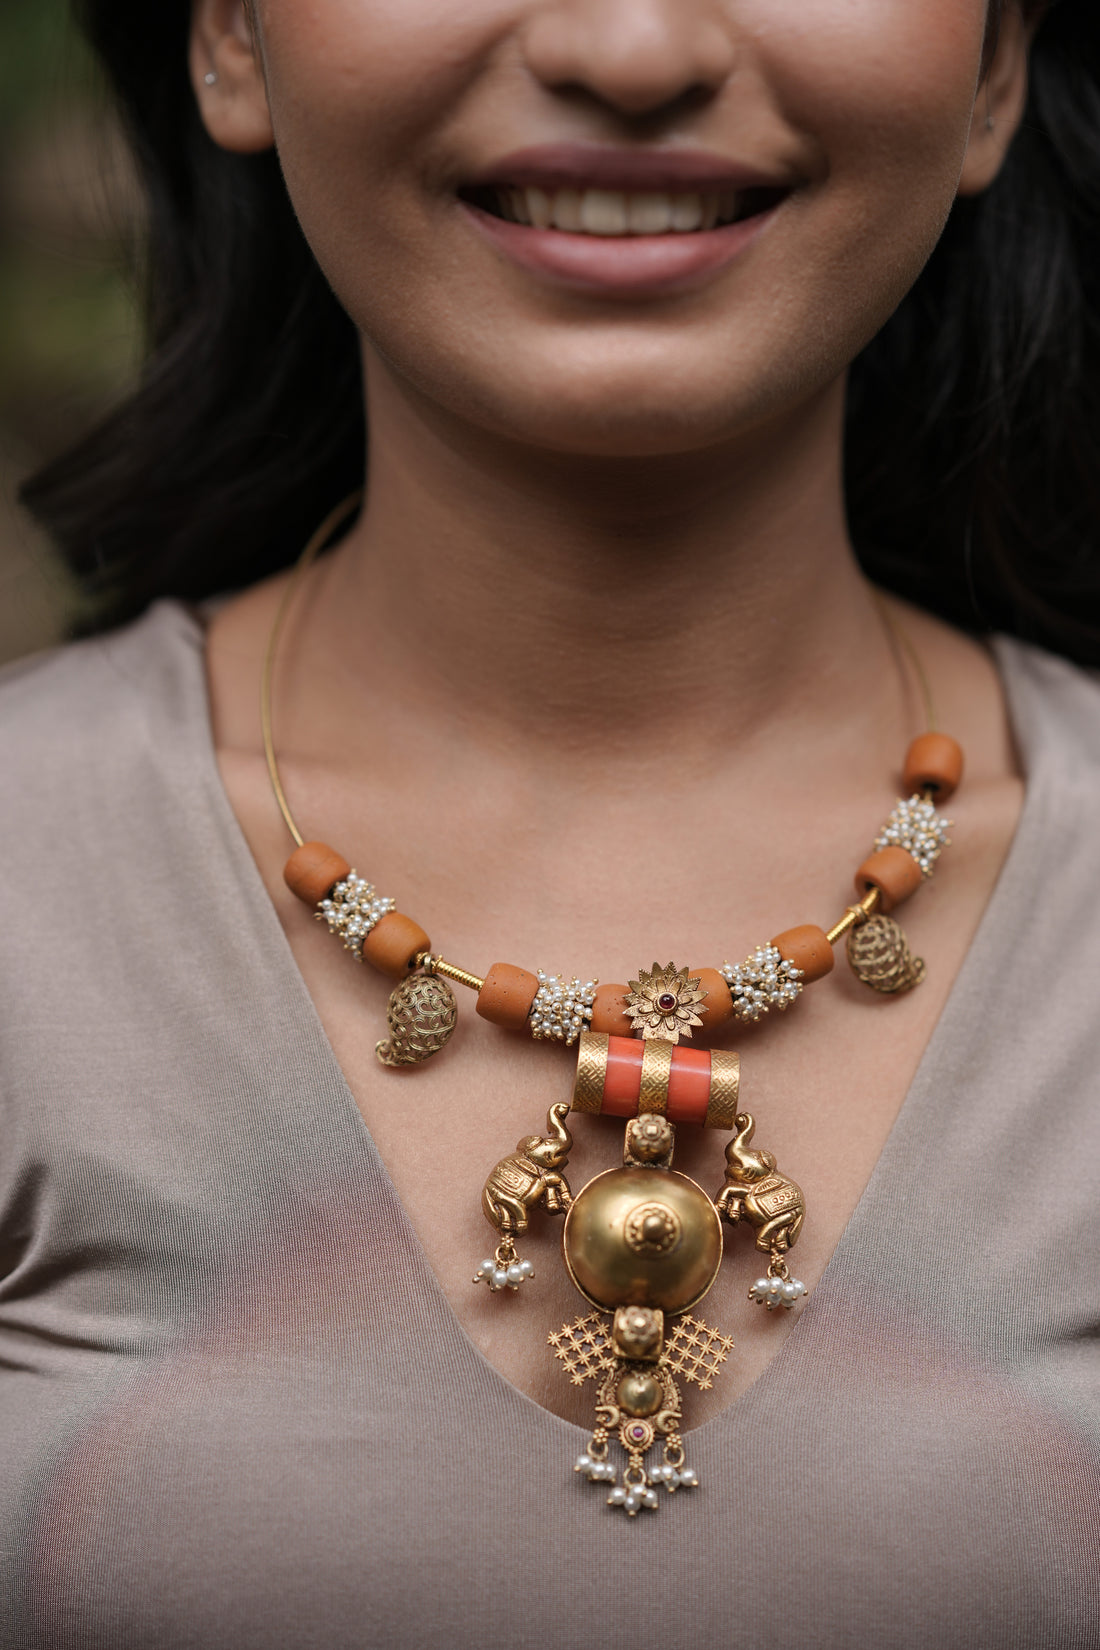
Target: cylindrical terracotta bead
{"points": [[718, 1007], [394, 943], [934, 762], [507, 995], [313, 870], [699, 1087], [893, 872], [608, 1012], [806, 948]]}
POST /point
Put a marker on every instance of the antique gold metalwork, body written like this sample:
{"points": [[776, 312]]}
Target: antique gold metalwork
{"points": [[880, 957], [640, 1402], [530, 1176], [649, 1142], [638, 1333], [609, 1257], [422, 1015], [664, 1003], [855, 916], [449, 971], [756, 1193], [591, 1062], [656, 1072], [725, 1089]]}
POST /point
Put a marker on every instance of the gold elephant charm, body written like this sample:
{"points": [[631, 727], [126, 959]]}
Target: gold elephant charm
{"points": [[770, 1203], [530, 1176]]}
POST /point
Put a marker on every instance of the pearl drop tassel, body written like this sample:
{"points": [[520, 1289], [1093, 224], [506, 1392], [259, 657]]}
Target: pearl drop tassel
{"points": [[504, 1277], [675, 1478], [773, 1292], [597, 1472]]}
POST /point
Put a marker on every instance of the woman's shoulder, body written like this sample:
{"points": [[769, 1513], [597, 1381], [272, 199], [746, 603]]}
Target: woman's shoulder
{"points": [[89, 708], [1054, 708]]}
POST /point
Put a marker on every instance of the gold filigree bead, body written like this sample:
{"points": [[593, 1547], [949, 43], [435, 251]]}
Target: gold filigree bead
{"points": [[422, 1014], [879, 955]]}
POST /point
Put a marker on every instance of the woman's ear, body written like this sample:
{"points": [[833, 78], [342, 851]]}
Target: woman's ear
{"points": [[999, 106], [227, 74]]}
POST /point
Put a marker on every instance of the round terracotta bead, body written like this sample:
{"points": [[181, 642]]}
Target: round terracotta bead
{"points": [[608, 1012], [893, 872], [806, 948], [718, 1007], [313, 870], [934, 762], [394, 943], [507, 995]]}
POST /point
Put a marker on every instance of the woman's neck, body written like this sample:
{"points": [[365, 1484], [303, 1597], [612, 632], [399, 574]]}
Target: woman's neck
{"points": [[664, 609]]}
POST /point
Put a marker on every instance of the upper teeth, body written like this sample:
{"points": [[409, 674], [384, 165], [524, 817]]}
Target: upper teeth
{"points": [[614, 212]]}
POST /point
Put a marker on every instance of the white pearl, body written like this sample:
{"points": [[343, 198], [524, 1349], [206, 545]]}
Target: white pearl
{"points": [[617, 1498], [672, 1478], [488, 1266], [527, 1269], [630, 1502], [658, 1475], [651, 1499], [500, 1277], [583, 1463], [689, 1478], [516, 1274], [760, 1287], [775, 1286], [791, 1292]]}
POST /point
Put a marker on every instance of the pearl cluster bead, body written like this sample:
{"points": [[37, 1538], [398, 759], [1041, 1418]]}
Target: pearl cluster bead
{"points": [[504, 1277], [597, 1472], [773, 1292], [763, 981], [633, 1501], [675, 1478], [919, 829], [353, 908], [562, 1011]]}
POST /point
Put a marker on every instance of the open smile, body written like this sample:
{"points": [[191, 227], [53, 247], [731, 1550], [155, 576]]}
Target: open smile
{"points": [[618, 222]]}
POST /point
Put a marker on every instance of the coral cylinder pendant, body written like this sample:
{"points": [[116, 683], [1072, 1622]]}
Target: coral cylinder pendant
{"points": [[625, 1077]]}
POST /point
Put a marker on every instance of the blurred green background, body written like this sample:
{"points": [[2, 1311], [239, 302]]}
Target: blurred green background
{"points": [[69, 218]]}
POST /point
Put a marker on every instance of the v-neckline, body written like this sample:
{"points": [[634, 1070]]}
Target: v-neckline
{"points": [[980, 957]]}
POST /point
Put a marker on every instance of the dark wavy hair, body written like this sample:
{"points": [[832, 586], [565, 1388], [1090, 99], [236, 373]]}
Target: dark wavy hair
{"points": [[973, 446]]}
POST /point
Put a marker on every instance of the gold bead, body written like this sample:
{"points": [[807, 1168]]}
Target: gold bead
{"points": [[643, 1237], [639, 1393], [422, 1014], [879, 955]]}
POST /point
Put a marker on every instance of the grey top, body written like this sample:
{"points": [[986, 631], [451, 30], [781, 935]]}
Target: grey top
{"points": [[236, 1409]]}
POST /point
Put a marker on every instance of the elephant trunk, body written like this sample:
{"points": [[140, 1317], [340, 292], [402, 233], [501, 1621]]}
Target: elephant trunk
{"points": [[555, 1125], [738, 1146]]}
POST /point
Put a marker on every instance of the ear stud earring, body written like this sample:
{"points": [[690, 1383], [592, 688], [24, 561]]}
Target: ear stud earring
{"points": [[210, 78]]}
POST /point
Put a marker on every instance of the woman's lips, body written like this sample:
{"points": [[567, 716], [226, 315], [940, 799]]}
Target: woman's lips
{"points": [[624, 266]]}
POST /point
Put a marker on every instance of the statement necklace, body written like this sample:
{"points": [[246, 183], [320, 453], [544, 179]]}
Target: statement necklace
{"points": [[642, 1243]]}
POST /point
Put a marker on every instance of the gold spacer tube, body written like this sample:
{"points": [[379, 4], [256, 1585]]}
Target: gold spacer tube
{"points": [[448, 971], [855, 916], [656, 1072], [725, 1089], [591, 1071]]}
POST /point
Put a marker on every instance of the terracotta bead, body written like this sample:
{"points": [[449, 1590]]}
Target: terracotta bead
{"points": [[718, 1007], [893, 872], [689, 1081], [934, 762], [507, 995], [313, 870], [807, 948], [608, 1013], [622, 1081], [394, 944]]}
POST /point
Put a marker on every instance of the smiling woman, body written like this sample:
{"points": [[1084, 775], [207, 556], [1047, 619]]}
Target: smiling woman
{"points": [[656, 330]]}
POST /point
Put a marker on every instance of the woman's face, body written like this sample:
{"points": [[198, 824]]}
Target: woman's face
{"points": [[465, 169]]}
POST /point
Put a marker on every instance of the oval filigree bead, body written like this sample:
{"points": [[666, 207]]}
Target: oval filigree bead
{"points": [[422, 1014], [879, 955]]}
